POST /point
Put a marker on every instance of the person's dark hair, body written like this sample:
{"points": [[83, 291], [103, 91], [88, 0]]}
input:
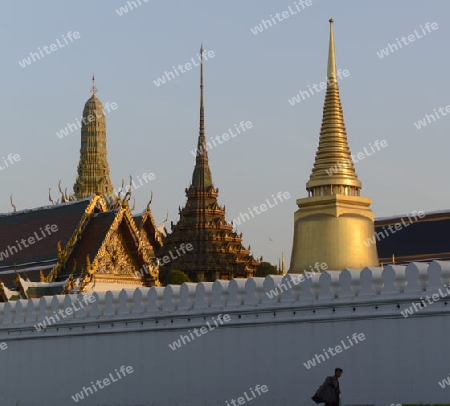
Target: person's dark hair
{"points": [[338, 370]]}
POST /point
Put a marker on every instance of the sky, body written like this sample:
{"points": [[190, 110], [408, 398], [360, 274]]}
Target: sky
{"points": [[251, 77]]}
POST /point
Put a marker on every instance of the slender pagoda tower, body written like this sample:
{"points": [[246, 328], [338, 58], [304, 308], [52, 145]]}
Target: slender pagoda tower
{"points": [[93, 169], [334, 221], [216, 251]]}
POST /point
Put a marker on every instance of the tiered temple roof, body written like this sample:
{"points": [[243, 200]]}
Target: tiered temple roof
{"points": [[75, 241], [80, 240], [217, 251]]}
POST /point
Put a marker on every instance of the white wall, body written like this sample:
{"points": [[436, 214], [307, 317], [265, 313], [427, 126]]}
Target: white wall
{"points": [[266, 342]]}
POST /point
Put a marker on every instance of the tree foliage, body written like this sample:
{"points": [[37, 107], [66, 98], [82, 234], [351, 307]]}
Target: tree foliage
{"points": [[175, 277], [264, 269]]}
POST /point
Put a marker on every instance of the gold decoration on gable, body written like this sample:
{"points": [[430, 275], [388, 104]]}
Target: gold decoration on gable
{"points": [[114, 258]]}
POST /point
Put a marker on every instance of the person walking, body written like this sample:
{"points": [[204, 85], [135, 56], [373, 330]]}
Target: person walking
{"points": [[329, 391]]}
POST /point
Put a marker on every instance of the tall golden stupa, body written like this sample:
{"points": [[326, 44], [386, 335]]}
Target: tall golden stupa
{"points": [[93, 169], [333, 222]]}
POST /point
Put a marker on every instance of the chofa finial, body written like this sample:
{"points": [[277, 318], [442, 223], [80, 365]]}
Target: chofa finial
{"points": [[12, 204]]}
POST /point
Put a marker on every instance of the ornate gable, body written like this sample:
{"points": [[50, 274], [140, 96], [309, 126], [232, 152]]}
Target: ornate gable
{"points": [[110, 250], [114, 257]]}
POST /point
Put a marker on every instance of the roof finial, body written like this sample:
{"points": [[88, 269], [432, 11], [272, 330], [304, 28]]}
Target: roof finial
{"points": [[12, 204], [150, 201], [93, 88], [50, 196], [331, 71]]}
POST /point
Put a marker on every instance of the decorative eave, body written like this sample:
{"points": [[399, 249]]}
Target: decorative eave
{"points": [[148, 217]]}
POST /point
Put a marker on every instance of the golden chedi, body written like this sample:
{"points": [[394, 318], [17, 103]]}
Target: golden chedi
{"points": [[333, 222]]}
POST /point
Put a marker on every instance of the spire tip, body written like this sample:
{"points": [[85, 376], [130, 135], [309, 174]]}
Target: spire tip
{"points": [[93, 88], [331, 70]]}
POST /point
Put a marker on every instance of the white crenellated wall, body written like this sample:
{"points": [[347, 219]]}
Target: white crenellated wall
{"points": [[265, 342]]}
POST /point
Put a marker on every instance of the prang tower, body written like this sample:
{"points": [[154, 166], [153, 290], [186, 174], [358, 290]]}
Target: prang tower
{"points": [[334, 221], [217, 251], [93, 169]]}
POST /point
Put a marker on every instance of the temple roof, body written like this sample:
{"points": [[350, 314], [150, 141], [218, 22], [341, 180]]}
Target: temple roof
{"points": [[28, 223], [146, 223], [421, 239], [86, 242], [93, 236], [38, 289]]}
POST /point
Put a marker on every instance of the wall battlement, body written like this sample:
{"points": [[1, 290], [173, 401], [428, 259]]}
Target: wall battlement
{"points": [[376, 290]]}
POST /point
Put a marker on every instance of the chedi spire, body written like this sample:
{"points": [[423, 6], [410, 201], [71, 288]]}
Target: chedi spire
{"points": [[333, 169], [334, 221]]}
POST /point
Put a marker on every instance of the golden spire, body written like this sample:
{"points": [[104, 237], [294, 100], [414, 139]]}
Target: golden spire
{"points": [[333, 172]]}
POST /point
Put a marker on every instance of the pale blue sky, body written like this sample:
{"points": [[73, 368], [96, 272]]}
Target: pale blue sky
{"points": [[251, 78]]}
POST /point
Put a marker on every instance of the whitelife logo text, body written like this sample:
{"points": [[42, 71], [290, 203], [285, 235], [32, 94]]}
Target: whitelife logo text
{"points": [[355, 339], [34, 56], [199, 332]]}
